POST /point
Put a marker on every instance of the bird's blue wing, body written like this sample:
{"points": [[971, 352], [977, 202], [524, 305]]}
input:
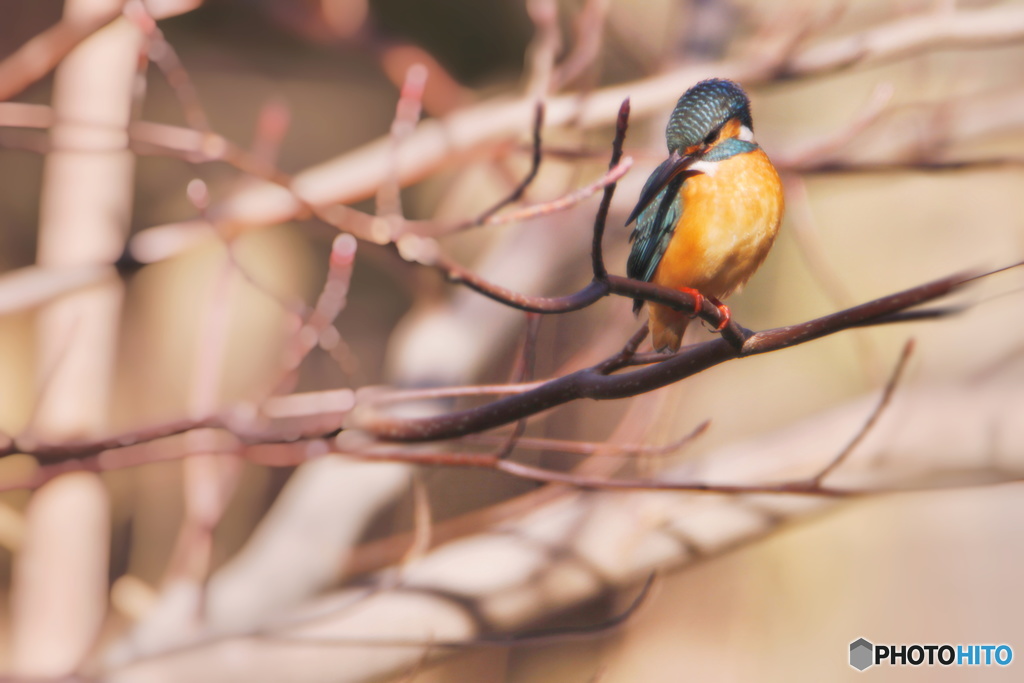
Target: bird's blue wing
{"points": [[654, 229]]}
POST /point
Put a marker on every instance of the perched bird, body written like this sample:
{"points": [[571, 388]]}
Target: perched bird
{"points": [[708, 214]]}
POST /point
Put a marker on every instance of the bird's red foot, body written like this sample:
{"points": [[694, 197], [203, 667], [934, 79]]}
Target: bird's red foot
{"points": [[723, 311], [698, 298], [698, 303]]}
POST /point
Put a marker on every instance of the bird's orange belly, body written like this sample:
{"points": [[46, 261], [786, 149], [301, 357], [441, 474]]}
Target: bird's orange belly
{"points": [[730, 218]]}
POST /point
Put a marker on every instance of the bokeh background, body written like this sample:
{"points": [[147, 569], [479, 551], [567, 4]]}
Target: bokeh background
{"points": [[899, 169]]}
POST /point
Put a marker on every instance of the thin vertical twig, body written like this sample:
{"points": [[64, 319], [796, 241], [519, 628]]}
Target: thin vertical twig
{"points": [[597, 253], [543, 50], [522, 372], [210, 473], [407, 114], [166, 58], [318, 327], [589, 34], [422, 521]]}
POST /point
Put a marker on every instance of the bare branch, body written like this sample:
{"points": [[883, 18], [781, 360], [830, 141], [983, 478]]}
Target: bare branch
{"points": [[522, 370], [596, 250], [357, 174], [824, 148], [589, 34], [318, 328], [935, 29], [33, 286], [628, 352], [538, 124], [166, 58], [602, 450], [883, 402], [407, 115], [544, 49], [591, 383], [43, 52], [566, 201]]}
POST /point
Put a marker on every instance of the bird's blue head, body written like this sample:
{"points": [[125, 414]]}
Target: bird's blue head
{"points": [[702, 113], [711, 123]]}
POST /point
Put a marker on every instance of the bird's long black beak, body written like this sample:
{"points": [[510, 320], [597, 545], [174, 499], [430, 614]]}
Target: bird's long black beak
{"points": [[662, 176]]}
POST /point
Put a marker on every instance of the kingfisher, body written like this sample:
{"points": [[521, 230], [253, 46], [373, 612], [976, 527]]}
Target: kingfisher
{"points": [[708, 215]]}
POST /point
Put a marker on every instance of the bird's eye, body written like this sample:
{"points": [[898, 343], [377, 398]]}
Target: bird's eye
{"points": [[712, 136]]}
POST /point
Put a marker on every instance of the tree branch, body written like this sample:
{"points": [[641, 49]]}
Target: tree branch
{"points": [[593, 384]]}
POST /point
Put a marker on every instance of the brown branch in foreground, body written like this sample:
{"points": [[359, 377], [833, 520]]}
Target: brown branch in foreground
{"points": [[596, 382], [592, 383], [386, 395], [809, 486], [812, 486], [596, 289]]}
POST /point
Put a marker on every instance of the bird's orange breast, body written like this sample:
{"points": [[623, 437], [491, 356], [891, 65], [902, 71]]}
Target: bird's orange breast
{"points": [[731, 214]]}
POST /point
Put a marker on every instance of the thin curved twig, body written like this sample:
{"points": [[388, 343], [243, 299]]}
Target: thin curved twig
{"points": [[883, 403], [535, 159]]}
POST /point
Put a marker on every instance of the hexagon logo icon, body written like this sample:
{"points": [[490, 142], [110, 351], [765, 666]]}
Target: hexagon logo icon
{"points": [[861, 654]]}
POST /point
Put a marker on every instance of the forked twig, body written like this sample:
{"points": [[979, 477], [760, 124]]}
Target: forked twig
{"points": [[566, 201], [535, 159]]}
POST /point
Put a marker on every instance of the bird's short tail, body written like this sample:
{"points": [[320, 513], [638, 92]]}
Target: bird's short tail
{"points": [[667, 327]]}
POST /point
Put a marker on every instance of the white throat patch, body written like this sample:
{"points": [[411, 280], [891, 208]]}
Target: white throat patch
{"points": [[705, 167]]}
